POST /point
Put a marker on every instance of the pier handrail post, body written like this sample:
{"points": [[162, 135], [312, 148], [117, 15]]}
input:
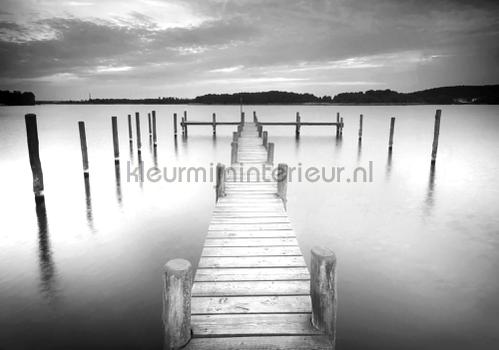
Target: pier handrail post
{"points": [[282, 182], [83, 144], [436, 133], [260, 130], [116, 142], [360, 126], [235, 136], [214, 122], [242, 118], [392, 127], [298, 124], [177, 288], [175, 124], [270, 153], [220, 187], [323, 292], [154, 133], [233, 154], [130, 134], [265, 138], [137, 126], [34, 155], [255, 119]]}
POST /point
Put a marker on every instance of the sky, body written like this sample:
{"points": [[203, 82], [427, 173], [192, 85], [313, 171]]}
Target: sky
{"points": [[151, 48]]}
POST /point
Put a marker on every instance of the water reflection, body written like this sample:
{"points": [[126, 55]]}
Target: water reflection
{"points": [[117, 176], [359, 150], [141, 170], [175, 146], [430, 192], [131, 151], [389, 165], [88, 202], [155, 157], [47, 267]]}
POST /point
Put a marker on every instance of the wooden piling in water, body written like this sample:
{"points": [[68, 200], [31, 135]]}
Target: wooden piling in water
{"points": [[214, 120], [185, 123], [360, 126], [436, 133], [175, 124], [298, 124], [137, 126], [83, 144], [265, 138], [178, 276], [260, 130], [392, 127], [242, 118], [34, 154], [233, 154], [282, 182], [341, 126], [116, 142], [220, 187], [338, 126], [149, 123], [154, 130], [323, 291], [130, 134], [270, 153]]}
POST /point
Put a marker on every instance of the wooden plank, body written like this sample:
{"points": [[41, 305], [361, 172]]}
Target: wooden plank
{"points": [[263, 343], [250, 305], [257, 261], [252, 274], [241, 288], [252, 220], [251, 251], [258, 324], [250, 242], [249, 226], [250, 234]]}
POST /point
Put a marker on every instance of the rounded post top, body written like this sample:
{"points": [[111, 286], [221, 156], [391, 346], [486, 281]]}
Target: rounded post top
{"points": [[322, 253], [178, 267]]}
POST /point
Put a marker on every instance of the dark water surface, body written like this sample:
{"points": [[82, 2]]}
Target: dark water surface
{"points": [[418, 251]]}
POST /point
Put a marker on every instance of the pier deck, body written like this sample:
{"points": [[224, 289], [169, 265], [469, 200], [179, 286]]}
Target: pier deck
{"points": [[252, 287]]}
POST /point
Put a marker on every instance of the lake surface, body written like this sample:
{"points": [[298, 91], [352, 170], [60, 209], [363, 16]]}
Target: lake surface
{"points": [[418, 251]]}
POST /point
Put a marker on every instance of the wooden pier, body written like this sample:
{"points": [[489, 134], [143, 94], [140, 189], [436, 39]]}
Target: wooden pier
{"points": [[252, 286]]}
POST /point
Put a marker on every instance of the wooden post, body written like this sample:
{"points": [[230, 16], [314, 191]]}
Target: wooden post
{"points": [[260, 130], [130, 135], [255, 120], [338, 125], [83, 143], [175, 124], [242, 118], [298, 124], [270, 153], [392, 127], [282, 182], [233, 154], [235, 136], [341, 128], [436, 133], [360, 127], [116, 142], [323, 291], [154, 130], [265, 137], [149, 123], [34, 155], [220, 188], [177, 285], [137, 126], [214, 124]]}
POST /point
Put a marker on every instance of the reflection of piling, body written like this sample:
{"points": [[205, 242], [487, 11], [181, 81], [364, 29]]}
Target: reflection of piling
{"points": [[47, 267], [88, 202], [436, 133], [116, 142], [392, 127], [282, 182], [220, 186], [34, 156], [83, 143], [117, 176]]}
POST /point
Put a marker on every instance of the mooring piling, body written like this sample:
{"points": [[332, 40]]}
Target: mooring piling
{"points": [[270, 153], [83, 144], [265, 138], [233, 154], [130, 134], [298, 124], [259, 130], [34, 154], [214, 120], [341, 126], [282, 182], [436, 133], [137, 126], [154, 130], [338, 125], [175, 124], [116, 142], [360, 126], [235, 136], [178, 276], [392, 127], [255, 119], [323, 291], [242, 118], [220, 187], [149, 123]]}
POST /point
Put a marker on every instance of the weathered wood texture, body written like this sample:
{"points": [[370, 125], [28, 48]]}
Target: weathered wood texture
{"points": [[116, 142], [34, 155], [252, 286], [83, 144]]}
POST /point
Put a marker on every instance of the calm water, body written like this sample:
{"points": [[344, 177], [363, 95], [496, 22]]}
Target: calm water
{"points": [[417, 251]]}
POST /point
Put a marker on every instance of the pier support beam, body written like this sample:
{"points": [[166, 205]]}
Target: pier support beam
{"points": [[360, 127], [214, 124], [436, 133], [298, 124], [116, 142], [233, 154], [392, 128], [177, 288], [34, 155], [323, 291], [282, 182], [220, 187], [270, 153], [83, 144], [265, 138], [154, 130]]}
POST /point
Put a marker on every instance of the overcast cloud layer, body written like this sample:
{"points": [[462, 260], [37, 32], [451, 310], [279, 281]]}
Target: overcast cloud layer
{"points": [[115, 48]]}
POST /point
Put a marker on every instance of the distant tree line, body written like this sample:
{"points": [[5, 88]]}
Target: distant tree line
{"points": [[124, 101], [16, 98], [267, 97], [488, 94]]}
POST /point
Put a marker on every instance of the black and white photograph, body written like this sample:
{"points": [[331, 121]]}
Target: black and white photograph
{"points": [[249, 174]]}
